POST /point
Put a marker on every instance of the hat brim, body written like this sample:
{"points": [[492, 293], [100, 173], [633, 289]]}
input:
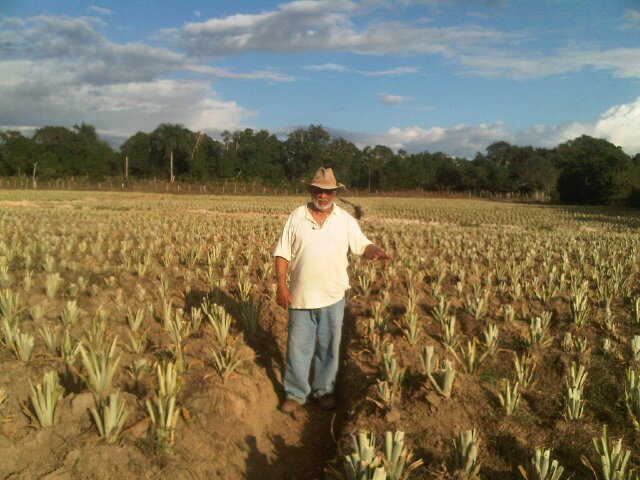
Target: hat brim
{"points": [[340, 187]]}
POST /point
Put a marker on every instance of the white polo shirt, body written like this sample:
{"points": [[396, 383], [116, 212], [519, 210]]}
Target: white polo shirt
{"points": [[318, 255]]}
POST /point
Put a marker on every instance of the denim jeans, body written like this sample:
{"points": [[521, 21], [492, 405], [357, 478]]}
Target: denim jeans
{"points": [[314, 335]]}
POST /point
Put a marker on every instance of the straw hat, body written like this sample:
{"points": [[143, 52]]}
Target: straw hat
{"points": [[324, 178]]}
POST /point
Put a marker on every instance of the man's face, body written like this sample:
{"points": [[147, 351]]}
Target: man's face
{"points": [[322, 199]]}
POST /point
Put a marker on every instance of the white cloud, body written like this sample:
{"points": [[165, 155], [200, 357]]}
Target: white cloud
{"points": [[392, 71], [492, 63], [125, 107], [461, 140], [329, 67], [619, 125], [100, 10], [331, 26], [267, 75], [334, 67], [61, 71], [393, 99], [322, 26], [632, 19]]}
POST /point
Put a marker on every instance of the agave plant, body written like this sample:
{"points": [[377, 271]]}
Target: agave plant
{"points": [[69, 316], [466, 445], [139, 369], [110, 417], [471, 359], [135, 318], [220, 320], [390, 368], [9, 305], [509, 397], [249, 312], [541, 467], [100, 368], [442, 380], [490, 336], [441, 310], [428, 360], [45, 397], [227, 360], [612, 458], [23, 345], [398, 459], [50, 338], [53, 283], [162, 408], [411, 328], [363, 463], [580, 304], [632, 396], [525, 367], [450, 338], [634, 348], [395, 462], [538, 329]]}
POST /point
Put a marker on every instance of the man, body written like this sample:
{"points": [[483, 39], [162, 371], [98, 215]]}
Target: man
{"points": [[314, 245]]}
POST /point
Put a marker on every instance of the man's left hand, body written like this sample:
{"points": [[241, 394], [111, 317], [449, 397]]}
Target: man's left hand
{"points": [[373, 252]]}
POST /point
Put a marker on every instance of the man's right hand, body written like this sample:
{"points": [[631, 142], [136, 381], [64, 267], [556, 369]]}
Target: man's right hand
{"points": [[284, 296]]}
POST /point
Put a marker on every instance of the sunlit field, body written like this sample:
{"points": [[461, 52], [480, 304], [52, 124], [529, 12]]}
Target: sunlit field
{"points": [[140, 338]]}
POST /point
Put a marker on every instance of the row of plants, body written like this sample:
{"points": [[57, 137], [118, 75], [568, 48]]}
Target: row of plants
{"points": [[125, 298]]}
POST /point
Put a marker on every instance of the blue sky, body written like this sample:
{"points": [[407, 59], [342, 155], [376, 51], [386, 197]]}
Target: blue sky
{"points": [[436, 75]]}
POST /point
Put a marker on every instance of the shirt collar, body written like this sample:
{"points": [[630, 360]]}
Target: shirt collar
{"points": [[307, 214]]}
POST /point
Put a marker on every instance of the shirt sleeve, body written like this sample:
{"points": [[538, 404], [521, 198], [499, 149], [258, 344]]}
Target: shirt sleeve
{"points": [[283, 247], [357, 240]]}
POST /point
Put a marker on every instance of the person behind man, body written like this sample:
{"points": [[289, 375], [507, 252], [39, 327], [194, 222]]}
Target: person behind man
{"points": [[313, 246]]}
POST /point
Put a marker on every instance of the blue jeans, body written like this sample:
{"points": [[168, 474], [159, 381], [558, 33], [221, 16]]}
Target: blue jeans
{"points": [[313, 335]]}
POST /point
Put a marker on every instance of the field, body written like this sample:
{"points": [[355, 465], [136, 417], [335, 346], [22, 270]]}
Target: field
{"points": [[506, 327]]}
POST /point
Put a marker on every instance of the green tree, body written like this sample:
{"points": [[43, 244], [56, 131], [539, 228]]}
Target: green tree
{"points": [[18, 154], [374, 160], [206, 155], [306, 151], [593, 172], [344, 158], [170, 149], [137, 149]]}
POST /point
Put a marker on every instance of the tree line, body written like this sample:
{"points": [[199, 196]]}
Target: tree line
{"points": [[584, 170]]}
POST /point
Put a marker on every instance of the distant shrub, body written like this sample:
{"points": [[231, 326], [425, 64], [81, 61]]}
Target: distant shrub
{"points": [[633, 199]]}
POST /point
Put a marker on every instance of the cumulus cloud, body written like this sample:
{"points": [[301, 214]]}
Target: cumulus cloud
{"points": [[62, 70], [124, 108], [619, 125], [392, 99], [462, 140]]}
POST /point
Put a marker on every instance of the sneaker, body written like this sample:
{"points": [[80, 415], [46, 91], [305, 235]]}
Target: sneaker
{"points": [[328, 401], [289, 406]]}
